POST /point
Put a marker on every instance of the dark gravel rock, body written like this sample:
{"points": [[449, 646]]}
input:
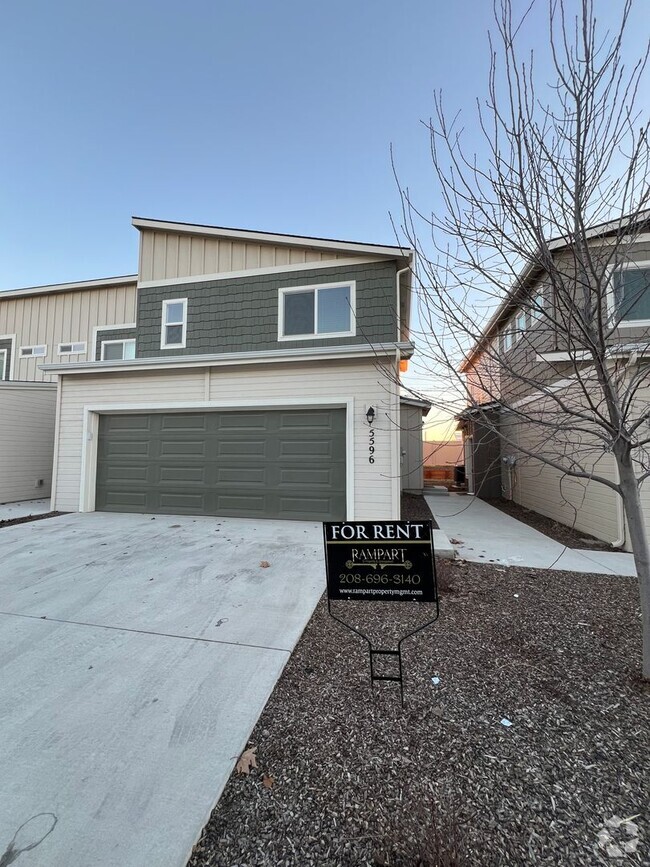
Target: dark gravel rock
{"points": [[357, 780], [28, 518], [415, 508], [560, 532]]}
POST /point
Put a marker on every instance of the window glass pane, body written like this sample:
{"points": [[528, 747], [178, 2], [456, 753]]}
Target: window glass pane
{"points": [[3, 364], [299, 313], [632, 286], [334, 310], [113, 351], [173, 334], [129, 349], [174, 313]]}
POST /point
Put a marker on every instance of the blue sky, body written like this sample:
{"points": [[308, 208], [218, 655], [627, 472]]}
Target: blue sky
{"points": [[276, 116]]}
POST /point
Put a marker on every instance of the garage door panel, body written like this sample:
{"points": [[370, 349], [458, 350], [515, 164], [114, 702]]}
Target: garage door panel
{"points": [[124, 473], [276, 463], [229, 421], [313, 449], [241, 505], [241, 475], [183, 423], [256, 448], [183, 475], [183, 448], [182, 501]]}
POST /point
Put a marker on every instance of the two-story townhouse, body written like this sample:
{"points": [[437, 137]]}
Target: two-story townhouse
{"points": [[57, 323], [534, 342], [257, 375]]}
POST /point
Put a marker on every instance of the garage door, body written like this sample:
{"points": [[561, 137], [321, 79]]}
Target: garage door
{"points": [[265, 464]]}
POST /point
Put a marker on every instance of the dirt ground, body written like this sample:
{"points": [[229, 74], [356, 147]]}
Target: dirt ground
{"points": [[560, 532], [346, 776]]}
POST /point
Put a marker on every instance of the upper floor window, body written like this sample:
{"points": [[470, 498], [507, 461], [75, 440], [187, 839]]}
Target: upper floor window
{"points": [[632, 293], [4, 364], [520, 324], [71, 348], [174, 323], [317, 311], [29, 351], [118, 350]]}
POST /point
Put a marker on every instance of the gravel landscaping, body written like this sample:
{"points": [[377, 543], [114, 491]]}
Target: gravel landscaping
{"points": [[26, 519], [345, 776], [415, 508], [568, 536]]}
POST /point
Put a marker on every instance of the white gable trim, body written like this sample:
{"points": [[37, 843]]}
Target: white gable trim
{"points": [[270, 238]]}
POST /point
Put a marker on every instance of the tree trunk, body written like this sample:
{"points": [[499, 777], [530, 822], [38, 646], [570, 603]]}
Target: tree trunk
{"points": [[640, 547]]}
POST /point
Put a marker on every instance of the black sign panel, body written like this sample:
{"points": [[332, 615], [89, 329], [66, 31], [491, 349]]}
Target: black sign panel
{"points": [[380, 561]]}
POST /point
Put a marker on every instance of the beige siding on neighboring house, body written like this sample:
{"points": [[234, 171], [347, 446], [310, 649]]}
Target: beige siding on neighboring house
{"points": [[27, 417], [589, 506], [166, 255], [376, 485], [61, 317]]}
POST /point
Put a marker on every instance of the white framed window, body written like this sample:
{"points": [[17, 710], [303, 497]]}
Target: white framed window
{"points": [[538, 305], [39, 351], [520, 324], [4, 362], [631, 294], [71, 348], [174, 323], [118, 350], [506, 338], [316, 312]]}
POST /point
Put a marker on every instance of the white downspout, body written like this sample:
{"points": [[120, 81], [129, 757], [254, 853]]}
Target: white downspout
{"points": [[398, 316], [620, 514]]}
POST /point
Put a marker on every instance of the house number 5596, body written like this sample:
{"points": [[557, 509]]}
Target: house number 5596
{"points": [[371, 446]]}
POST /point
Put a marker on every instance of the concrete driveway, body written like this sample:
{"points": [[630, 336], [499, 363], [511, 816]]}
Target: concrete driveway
{"points": [[136, 654]]}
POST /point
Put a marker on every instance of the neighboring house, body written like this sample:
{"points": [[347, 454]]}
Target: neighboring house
{"points": [[523, 336], [238, 373], [64, 323], [27, 416]]}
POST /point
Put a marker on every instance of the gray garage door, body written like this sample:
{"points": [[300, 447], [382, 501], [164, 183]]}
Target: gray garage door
{"points": [[266, 464]]}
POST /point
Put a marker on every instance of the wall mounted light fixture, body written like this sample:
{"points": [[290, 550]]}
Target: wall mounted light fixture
{"points": [[370, 414]]}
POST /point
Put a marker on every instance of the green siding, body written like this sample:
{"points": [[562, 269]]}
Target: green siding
{"points": [[253, 464], [241, 315], [112, 334]]}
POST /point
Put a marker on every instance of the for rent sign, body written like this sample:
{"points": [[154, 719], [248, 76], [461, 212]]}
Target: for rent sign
{"points": [[380, 561]]}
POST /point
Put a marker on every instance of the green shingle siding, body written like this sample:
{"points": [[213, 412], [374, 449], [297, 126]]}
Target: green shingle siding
{"points": [[241, 315], [112, 334]]}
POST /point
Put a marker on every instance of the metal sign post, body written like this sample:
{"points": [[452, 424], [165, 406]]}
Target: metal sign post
{"points": [[381, 561]]}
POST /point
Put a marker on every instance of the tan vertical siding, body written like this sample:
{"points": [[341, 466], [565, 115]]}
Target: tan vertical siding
{"points": [[589, 506], [166, 255], [62, 317], [27, 416]]}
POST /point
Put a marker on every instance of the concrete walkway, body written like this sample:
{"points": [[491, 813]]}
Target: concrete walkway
{"points": [[136, 654], [9, 511], [482, 534]]}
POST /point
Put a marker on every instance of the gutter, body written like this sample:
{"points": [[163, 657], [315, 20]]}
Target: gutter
{"points": [[231, 359]]}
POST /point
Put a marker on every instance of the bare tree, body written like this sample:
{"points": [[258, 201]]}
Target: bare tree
{"points": [[534, 306]]}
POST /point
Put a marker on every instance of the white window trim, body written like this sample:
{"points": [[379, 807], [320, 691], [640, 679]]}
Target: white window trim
{"points": [[123, 341], [24, 354], [611, 296], [315, 287], [72, 351], [164, 324], [5, 353]]}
